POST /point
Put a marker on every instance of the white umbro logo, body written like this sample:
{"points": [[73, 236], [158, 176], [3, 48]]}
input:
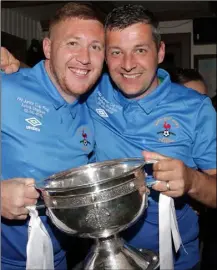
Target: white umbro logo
{"points": [[33, 121], [102, 112]]}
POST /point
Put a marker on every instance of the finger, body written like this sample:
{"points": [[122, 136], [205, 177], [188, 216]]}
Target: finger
{"points": [[4, 56], [25, 181], [164, 175], [148, 191], [20, 211], [165, 165], [142, 191], [160, 186], [31, 193], [173, 194], [153, 155], [30, 202], [3, 66], [29, 181], [21, 217], [12, 68]]}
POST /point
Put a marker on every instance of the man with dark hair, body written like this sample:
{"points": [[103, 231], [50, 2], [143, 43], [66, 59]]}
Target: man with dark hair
{"points": [[136, 108], [43, 122]]}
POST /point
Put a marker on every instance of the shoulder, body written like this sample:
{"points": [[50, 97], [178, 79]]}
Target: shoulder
{"points": [[198, 106], [8, 79], [186, 95], [17, 78], [21, 81], [179, 92]]}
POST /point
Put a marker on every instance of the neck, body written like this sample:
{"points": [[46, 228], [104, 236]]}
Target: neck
{"points": [[69, 98]]}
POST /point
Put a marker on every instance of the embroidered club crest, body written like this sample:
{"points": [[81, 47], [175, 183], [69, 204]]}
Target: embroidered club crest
{"points": [[84, 140], [166, 127], [166, 132]]}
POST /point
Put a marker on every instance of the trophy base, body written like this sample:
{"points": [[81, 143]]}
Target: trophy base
{"points": [[113, 254]]}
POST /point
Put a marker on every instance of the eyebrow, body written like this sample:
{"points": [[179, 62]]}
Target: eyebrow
{"points": [[136, 46], [97, 41], [142, 45], [114, 47], [94, 41]]}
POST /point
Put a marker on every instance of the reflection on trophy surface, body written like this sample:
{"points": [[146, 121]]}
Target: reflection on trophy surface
{"points": [[98, 201]]}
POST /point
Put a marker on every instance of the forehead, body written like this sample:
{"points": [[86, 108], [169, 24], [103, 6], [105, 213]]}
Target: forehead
{"points": [[133, 33], [75, 27]]}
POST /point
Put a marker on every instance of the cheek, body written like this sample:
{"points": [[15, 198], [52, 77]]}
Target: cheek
{"points": [[113, 63], [62, 56], [148, 60], [97, 61]]}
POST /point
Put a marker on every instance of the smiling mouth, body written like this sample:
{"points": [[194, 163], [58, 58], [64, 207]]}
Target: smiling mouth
{"points": [[131, 76], [79, 72]]}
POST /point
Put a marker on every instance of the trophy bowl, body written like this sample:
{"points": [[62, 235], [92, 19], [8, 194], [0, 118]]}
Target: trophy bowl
{"points": [[98, 201]]}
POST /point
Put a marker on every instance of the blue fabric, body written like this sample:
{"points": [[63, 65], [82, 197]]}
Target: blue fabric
{"points": [[61, 265], [41, 135], [172, 120]]}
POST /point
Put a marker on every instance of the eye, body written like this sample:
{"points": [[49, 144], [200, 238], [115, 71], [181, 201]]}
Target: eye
{"points": [[97, 47], [141, 51], [115, 53], [73, 43]]}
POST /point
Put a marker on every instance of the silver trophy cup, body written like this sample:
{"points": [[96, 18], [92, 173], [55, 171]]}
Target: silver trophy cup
{"points": [[98, 201]]}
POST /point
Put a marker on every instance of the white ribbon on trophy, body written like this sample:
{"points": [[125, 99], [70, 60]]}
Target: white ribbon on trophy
{"points": [[168, 231], [39, 247], [168, 227]]}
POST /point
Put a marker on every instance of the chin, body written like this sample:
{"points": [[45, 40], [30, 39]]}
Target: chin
{"points": [[78, 90], [129, 91]]}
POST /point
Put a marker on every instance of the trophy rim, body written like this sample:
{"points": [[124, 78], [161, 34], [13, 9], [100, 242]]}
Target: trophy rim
{"points": [[42, 184]]}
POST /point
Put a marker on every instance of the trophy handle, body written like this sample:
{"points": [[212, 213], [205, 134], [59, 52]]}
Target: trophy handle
{"points": [[148, 168], [40, 202]]}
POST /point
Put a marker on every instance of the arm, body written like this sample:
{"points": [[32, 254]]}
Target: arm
{"points": [[203, 187], [176, 179], [16, 194]]}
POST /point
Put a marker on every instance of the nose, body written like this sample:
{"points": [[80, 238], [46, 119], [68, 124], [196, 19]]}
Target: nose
{"points": [[83, 56], [128, 63]]}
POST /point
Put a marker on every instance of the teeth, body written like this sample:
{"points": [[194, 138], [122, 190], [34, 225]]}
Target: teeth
{"points": [[131, 76], [79, 71]]}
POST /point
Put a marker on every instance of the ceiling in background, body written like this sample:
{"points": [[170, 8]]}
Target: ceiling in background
{"points": [[164, 10]]}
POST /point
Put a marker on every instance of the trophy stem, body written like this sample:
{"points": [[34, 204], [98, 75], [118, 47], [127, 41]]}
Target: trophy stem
{"points": [[113, 254]]}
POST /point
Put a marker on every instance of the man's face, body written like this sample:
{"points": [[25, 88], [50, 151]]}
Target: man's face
{"points": [[75, 53], [132, 58]]}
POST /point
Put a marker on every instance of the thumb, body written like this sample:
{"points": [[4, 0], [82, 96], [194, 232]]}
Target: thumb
{"points": [[4, 57], [153, 156], [29, 181]]}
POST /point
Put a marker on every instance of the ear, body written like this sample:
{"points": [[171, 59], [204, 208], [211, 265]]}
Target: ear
{"points": [[161, 52], [47, 47]]}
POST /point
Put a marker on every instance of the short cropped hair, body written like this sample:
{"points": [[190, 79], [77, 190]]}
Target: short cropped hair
{"points": [[78, 10], [124, 16]]}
